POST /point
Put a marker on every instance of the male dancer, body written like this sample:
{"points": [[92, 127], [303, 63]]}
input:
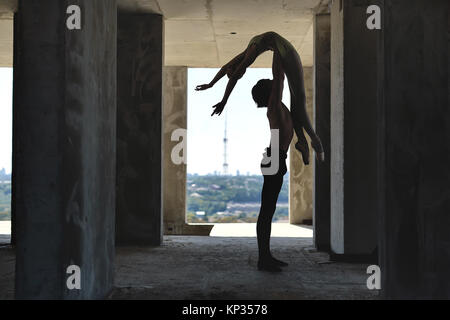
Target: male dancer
{"points": [[268, 93]]}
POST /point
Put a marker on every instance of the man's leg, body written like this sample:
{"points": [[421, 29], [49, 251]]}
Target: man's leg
{"points": [[269, 196]]}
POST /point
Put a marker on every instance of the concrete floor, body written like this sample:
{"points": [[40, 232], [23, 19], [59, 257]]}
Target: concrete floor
{"points": [[5, 232], [223, 266], [249, 230]]}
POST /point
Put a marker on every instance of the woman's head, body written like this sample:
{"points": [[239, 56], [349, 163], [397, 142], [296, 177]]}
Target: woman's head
{"points": [[261, 92]]}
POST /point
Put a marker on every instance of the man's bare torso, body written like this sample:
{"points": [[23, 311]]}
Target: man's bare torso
{"points": [[280, 118]]}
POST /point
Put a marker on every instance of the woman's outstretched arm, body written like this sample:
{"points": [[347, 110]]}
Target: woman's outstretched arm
{"points": [[250, 57], [222, 72]]}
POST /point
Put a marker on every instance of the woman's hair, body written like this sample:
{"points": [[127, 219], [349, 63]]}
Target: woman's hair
{"points": [[261, 92]]}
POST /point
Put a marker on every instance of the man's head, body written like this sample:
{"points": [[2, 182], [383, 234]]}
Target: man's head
{"points": [[261, 92]]}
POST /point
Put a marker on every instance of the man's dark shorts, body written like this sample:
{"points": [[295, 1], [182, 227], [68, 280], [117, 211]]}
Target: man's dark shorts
{"points": [[282, 168]]}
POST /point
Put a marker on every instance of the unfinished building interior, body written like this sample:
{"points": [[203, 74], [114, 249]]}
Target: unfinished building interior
{"points": [[94, 185]]}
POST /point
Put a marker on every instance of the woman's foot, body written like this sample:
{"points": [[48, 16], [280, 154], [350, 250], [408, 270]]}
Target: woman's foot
{"points": [[304, 150], [268, 265], [316, 144]]}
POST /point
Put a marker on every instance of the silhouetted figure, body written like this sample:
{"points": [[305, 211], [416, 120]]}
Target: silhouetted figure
{"points": [[268, 93], [292, 65]]}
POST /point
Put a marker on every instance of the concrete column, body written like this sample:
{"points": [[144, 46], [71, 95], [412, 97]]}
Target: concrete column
{"points": [[321, 208], [174, 175], [354, 149], [64, 148], [301, 176], [414, 165], [139, 129]]}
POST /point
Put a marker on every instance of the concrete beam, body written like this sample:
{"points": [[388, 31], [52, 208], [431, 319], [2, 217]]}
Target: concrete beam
{"points": [[414, 165], [321, 207], [64, 149], [354, 147], [139, 129]]}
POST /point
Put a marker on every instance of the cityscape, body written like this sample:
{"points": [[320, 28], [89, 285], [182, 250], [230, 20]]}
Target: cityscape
{"points": [[230, 199], [5, 195]]}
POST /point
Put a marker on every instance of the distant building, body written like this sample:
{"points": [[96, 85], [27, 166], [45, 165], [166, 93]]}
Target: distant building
{"points": [[200, 213], [4, 177], [196, 195]]}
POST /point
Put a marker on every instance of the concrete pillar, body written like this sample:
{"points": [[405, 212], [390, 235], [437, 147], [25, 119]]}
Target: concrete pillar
{"points": [[301, 176], [321, 207], [354, 149], [174, 175], [64, 148], [139, 129], [414, 165]]}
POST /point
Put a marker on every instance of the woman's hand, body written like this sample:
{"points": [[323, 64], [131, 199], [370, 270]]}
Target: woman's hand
{"points": [[218, 108], [203, 87]]}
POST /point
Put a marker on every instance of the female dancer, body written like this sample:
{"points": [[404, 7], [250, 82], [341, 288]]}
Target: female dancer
{"points": [[292, 65]]}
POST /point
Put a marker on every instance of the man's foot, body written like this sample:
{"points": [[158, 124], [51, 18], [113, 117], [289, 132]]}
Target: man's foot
{"points": [[304, 150], [268, 265], [316, 144], [279, 262]]}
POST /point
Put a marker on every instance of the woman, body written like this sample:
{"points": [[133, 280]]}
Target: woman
{"points": [[292, 65]]}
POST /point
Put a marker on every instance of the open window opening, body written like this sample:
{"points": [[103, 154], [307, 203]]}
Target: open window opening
{"points": [[224, 180], [6, 80]]}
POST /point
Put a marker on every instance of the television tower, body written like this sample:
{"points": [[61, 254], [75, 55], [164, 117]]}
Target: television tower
{"points": [[225, 142]]}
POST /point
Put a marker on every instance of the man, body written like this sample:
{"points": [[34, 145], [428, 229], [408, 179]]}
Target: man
{"points": [[268, 93]]}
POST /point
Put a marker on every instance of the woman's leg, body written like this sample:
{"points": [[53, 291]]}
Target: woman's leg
{"points": [[302, 143], [300, 117]]}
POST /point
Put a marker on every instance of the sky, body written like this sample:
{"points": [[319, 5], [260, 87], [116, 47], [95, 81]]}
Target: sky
{"points": [[248, 127], [5, 118]]}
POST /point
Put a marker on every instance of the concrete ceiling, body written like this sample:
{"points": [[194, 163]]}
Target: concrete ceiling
{"points": [[208, 33]]}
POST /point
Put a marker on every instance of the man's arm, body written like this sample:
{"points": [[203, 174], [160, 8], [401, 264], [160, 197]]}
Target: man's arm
{"points": [[278, 83]]}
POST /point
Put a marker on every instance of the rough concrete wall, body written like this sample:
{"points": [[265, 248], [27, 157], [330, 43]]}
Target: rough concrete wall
{"points": [[174, 176], [139, 129], [64, 156], [353, 130], [415, 220], [301, 176], [337, 129], [321, 207], [360, 130], [6, 43]]}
